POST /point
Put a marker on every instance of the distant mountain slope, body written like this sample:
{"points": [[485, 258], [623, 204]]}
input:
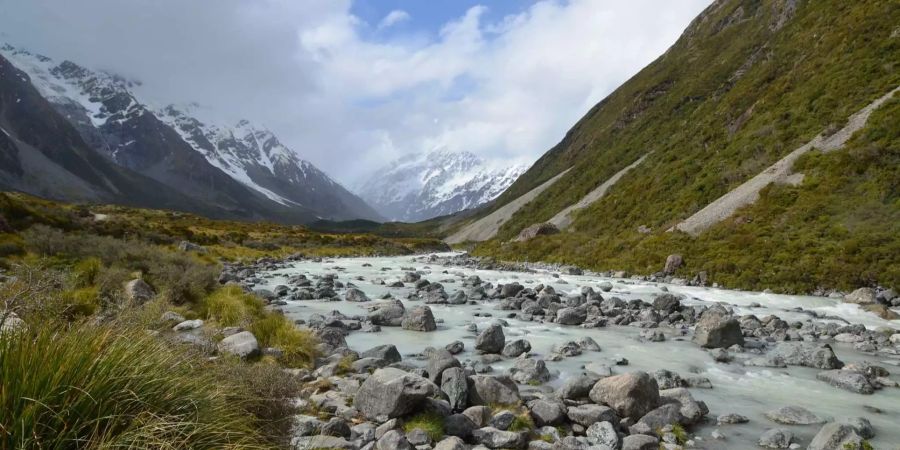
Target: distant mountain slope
{"points": [[41, 153], [426, 185], [241, 169], [748, 82]]}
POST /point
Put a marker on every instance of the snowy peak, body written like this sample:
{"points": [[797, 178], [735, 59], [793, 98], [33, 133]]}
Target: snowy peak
{"points": [[421, 186], [112, 119]]}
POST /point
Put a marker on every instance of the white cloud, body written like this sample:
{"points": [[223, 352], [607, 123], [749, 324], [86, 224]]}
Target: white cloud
{"points": [[505, 89], [393, 18]]}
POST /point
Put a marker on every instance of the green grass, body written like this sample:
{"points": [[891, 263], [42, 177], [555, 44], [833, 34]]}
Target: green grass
{"points": [[97, 388], [430, 422], [231, 306], [299, 346]]}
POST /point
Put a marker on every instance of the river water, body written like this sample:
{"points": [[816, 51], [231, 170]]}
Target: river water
{"points": [[749, 391]]}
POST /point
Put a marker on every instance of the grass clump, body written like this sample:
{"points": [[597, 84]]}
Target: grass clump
{"points": [[522, 422], [430, 422], [298, 346], [231, 306], [101, 387]]}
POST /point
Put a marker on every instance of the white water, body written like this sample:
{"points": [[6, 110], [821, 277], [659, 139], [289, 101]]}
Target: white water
{"points": [[749, 391]]}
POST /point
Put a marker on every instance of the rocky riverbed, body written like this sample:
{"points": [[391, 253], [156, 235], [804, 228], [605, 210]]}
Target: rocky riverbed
{"points": [[553, 360]]}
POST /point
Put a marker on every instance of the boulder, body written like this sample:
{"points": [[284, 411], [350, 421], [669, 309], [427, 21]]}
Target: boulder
{"points": [[667, 303], [847, 380], [673, 263], [577, 387], [836, 436], [387, 352], [603, 434], [716, 330], [12, 323], [241, 344], [355, 295], [807, 354], [631, 395], [660, 417], [861, 296], [493, 438], [451, 443], [691, 410], [455, 347], [390, 393], [388, 313], [187, 246], [419, 318], [530, 371], [459, 425], [571, 316], [455, 385], [138, 291], [538, 229], [487, 390], [640, 442], [776, 438], [516, 348], [329, 442], [392, 440], [589, 413], [438, 362], [794, 415], [547, 412], [491, 340]]}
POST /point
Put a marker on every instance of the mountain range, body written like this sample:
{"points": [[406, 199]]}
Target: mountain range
{"points": [[92, 121], [426, 185]]}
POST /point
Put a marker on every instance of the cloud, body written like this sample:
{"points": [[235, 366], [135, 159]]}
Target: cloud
{"points": [[506, 89], [393, 18]]}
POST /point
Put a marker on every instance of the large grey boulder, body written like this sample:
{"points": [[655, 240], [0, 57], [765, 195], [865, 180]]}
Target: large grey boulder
{"points": [[603, 434], [451, 443], [692, 411], [241, 344], [861, 296], [836, 436], [847, 380], [530, 371], [387, 353], [589, 413], [138, 291], [390, 393], [794, 415], [640, 442], [419, 318], [456, 386], [631, 395], [491, 390], [717, 330], [439, 361], [516, 348], [392, 440], [188, 325], [667, 303], [664, 415], [493, 438], [578, 386], [388, 313], [571, 316], [459, 425], [776, 438], [491, 340], [330, 442], [807, 354], [355, 295], [673, 263], [547, 412], [11, 323]]}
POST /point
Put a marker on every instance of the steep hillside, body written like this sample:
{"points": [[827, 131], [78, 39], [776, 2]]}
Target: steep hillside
{"points": [[422, 186], [746, 84]]}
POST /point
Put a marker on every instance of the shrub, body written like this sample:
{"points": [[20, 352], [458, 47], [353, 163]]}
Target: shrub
{"points": [[81, 302], [85, 272], [100, 387], [231, 306], [297, 345]]}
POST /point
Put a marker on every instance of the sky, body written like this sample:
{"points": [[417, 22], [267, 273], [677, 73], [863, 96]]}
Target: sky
{"points": [[352, 85]]}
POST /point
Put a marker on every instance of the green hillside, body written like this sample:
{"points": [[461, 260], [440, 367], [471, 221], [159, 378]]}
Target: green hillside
{"points": [[748, 82]]}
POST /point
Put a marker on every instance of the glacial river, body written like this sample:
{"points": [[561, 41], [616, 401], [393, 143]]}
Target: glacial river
{"points": [[749, 391]]}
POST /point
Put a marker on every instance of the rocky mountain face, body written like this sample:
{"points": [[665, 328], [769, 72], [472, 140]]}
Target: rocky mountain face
{"points": [[427, 185], [241, 171], [748, 86]]}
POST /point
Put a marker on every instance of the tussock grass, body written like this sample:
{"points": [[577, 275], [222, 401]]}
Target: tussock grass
{"points": [[231, 306], [101, 388], [299, 346], [429, 422]]}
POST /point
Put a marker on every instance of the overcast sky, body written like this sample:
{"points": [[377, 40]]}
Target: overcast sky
{"points": [[351, 85]]}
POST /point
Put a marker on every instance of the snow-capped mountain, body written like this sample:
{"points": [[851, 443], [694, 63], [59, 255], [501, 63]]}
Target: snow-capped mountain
{"points": [[421, 186], [237, 167]]}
